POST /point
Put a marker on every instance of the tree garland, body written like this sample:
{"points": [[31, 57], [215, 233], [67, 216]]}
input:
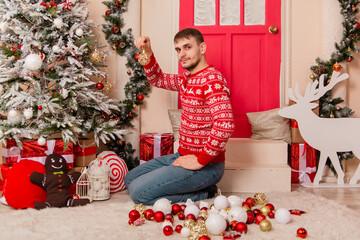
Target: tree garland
{"points": [[329, 107], [137, 87]]}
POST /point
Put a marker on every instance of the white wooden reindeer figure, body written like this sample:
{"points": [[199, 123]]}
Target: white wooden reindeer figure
{"points": [[328, 135]]}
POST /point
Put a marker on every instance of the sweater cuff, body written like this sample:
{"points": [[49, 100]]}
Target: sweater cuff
{"points": [[151, 63], [204, 159]]}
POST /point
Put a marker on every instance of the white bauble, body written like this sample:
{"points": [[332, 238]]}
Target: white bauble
{"points": [[79, 32], [14, 116], [235, 201], [237, 214], [58, 22], [215, 224], [4, 26], [97, 186], [41, 141], [282, 215], [28, 113], [221, 202], [192, 209], [33, 62], [185, 232], [204, 204], [163, 205], [56, 48]]}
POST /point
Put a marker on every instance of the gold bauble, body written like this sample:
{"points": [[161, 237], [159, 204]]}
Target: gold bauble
{"points": [[95, 56], [143, 58], [265, 210], [107, 88], [204, 215], [260, 198], [332, 115], [246, 208], [140, 208], [212, 206], [265, 225], [312, 76], [189, 223]]}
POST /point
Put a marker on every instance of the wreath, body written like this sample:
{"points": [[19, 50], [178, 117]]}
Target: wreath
{"points": [[137, 88], [329, 107]]}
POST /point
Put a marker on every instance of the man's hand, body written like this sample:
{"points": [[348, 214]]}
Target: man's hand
{"points": [[143, 43], [188, 162]]}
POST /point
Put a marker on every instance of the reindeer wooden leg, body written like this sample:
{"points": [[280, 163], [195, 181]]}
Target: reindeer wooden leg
{"points": [[336, 163], [356, 175], [320, 169]]}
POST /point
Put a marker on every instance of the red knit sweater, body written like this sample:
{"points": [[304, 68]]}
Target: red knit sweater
{"points": [[207, 119]]}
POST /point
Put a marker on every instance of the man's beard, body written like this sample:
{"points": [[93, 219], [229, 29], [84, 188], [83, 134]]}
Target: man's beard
{"points": [[193, 65]]}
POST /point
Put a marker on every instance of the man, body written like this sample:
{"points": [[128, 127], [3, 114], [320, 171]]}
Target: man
{"points": [[206, 125]]}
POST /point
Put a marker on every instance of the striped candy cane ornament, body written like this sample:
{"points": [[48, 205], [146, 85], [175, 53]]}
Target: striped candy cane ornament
{"points": [[118, 170]]}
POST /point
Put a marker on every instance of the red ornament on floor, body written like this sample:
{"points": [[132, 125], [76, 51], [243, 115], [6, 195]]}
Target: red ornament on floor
{"points": [[169, 217], [233, 225], [204, 238], [246, 204], [271, 215], [191, 216], [259, 217], [251, 201], [134, 214], [181, 216], [241, 227], [168, 230], [178, 228], [302, 233], [256, 211], [175, 209], [149, 214], [251, 217], [159, 216], [272, 208]]}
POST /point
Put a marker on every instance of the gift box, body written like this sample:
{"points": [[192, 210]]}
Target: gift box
{"points": [[302, 163], [153, 145], [3, 174], [33, 151], [85, 152]]}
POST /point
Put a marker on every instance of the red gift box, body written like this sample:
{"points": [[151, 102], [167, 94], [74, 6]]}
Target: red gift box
{"points": [[153, 145], [33, 151], [3, 174], [303, 163]]}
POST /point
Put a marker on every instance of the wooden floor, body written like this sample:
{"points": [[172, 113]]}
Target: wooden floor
{"points": [[345, 196]]}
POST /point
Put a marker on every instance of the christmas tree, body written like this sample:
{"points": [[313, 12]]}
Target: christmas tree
{"points": [[51, 80]]}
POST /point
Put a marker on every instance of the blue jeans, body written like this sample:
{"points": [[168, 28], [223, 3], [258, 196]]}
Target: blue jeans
{"points": [[158, 178]]}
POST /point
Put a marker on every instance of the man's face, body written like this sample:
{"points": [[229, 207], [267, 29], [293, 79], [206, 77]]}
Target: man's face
{"points": [[189, 52]]}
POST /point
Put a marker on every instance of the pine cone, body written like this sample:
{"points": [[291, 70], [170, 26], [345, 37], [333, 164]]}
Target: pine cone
{"points": [[320, 70]]}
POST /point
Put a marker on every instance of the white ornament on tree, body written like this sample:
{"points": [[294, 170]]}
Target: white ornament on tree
{"points": [[56, 48], [41, 141], [79, 32], [33, 62], [28, 113], [58, 22], [4, 26], [14, 116]]}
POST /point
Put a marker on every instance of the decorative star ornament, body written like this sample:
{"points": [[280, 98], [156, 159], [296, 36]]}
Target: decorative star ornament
{"points": [[67, 5]]}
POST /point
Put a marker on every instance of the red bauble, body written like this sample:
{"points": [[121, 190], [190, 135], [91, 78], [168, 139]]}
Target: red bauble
{"points": [[337, 67], [107, 12], [140, 98], [246, 204], [258, 218], [233, 225], [183, 207], [191, 216], [272, 208], [131, 222], [271, 215], [250, 217], [181, 216], [134, 214], [175, 209], [117, 44], [204, 237], [168, 230], [149, 214], [169, 217], [251, 201], [178, 228], [349, 59], [301, 233], [99, 86], [256, 211], [159, 216], [204, 209], [241, 227], [118, 5], [200, 218], [40, 107], [130, 114], [357, 25], [128, 72], [136, 57]]}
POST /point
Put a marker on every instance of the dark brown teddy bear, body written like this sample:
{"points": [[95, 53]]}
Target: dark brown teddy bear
{"points": [[56, 183]]}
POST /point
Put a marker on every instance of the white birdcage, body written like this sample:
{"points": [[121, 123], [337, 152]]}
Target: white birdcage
{"points": [[99, 173], [83, 186]]}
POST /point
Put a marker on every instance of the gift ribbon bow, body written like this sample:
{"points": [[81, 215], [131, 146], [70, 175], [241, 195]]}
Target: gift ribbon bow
{"points": [[56, 173], [303, 175]]}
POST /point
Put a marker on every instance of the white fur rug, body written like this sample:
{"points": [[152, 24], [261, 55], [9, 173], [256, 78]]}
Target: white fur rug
{"points": [[109, 220]]}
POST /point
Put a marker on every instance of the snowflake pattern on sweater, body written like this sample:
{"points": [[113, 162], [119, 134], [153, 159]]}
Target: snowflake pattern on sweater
{"points": [[207, 120]]}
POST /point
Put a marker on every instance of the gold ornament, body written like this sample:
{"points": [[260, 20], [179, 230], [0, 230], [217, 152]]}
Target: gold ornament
{"points": [[204, 215], [189, 223], [96, 57], [332, 115], [265, 225], [260, 198], [312, 76], [120, 1], [107, 88], [246, 208], [143, 59], [140, 208], [265, 210], [199, 229], [114, 47], [212, 206]]}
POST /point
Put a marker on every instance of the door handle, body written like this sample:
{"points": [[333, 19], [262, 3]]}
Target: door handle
{"points": [[273, 29]]}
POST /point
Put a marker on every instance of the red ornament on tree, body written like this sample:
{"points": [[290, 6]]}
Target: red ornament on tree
{"points": [[159, 216], [301, 233], [149, 214], [349, 59], [241, 227], [107, 12], [130, 114], [140, 98], [178, 228], [168, 230], [40, 107], [357, 25], [136, 57], [337, 67], [99, 86], [251, 217], [259, 217], [134, 214], [176, 208]]}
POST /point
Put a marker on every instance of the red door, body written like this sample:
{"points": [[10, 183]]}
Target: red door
{"points": [[240, 45]]}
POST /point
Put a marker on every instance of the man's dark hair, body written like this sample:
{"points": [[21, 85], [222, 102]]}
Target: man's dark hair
{"points": [[190, 32]]}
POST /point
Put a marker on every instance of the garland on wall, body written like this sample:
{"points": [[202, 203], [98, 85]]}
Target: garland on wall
{"points": [[329, 106], [137, 88]]}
